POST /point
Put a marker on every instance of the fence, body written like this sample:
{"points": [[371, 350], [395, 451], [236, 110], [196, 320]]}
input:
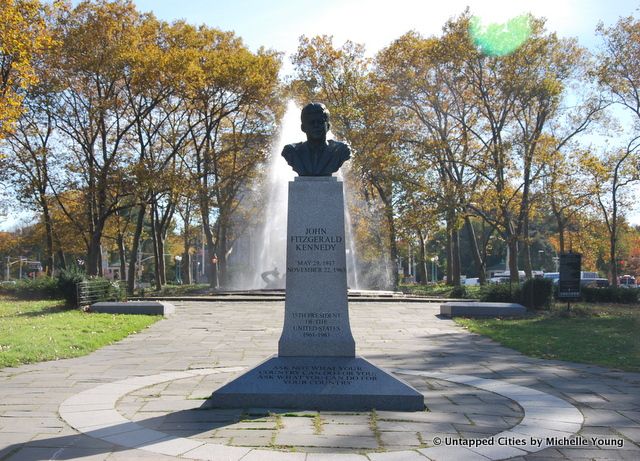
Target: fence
{"points": [[93, 291]]}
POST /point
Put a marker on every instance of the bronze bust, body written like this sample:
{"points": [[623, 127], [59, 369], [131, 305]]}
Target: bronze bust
{"points": [[316, 156]]}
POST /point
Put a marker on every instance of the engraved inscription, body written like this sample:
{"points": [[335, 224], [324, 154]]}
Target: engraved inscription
{"points": [[316, 324], [316, 242], [327, 266], [317, 374], [316, 239]]}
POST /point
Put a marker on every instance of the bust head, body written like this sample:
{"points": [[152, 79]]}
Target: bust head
{"points": [[315, 121]]}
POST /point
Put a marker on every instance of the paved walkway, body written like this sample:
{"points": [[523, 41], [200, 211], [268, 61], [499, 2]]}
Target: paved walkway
{"points": [[163, 375]]}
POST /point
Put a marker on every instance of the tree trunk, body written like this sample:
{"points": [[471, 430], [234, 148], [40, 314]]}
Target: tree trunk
{"points": [[186, 267], [186, 256], [158, 248], [392, 268], [221, 239], [48, 225], [156, 256], [163, 222], [455, 257], [393, 246], [449, 250], [92, 265], [62, 262], [101, 262], [211, 266], [422, 262], [526, 249], [133, 257], [612, 257], [512, 242], [475, 252], [161, 260], [561, 231], [123, 256]]}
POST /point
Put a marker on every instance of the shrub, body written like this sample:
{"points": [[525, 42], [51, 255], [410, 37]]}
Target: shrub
{"points": [[67, 281], [500, 293], [458, 292], [610, 295], [8, 288], [114, 291], [537, 293], [37, 288]]}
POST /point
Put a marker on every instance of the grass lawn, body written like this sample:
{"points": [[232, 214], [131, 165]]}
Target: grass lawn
{"points": [[607, 335], [35, 331]]}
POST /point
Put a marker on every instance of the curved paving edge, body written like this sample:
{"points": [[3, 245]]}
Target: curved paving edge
{"points": [[545, 416], [93, 413]]}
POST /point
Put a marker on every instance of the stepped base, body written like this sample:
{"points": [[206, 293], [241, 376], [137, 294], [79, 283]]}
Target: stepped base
{"points": [[318, 383]]}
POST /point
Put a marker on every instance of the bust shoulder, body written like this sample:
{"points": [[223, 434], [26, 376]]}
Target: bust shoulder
{"points": [[291, 149], [340, 148]]}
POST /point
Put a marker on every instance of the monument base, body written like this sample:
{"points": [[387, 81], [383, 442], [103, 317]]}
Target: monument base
{"points": [[317, 383]]}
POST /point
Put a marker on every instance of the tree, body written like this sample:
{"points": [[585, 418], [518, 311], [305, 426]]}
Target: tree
{"points": [[433, 103], [231, 100], [609, 175], [619, 75], [98, 41], [565, 193], [24, 34], [151, 88], [516, 97], [619, 64], [30, 163], [342, 79]]}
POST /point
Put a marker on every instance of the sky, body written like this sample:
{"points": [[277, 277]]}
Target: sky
{"points": [[375, 23], [278, 24]]}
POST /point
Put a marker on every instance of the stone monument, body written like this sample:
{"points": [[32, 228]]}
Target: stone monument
{"points": [[317, 367]]}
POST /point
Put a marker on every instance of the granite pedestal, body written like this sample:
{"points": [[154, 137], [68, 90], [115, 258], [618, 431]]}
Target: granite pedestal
{"points": [[316, 367]]}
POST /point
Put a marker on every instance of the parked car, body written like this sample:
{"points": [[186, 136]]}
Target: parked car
{"points": [[505, 277], [587, 279], [627, 281], [593, 282]]}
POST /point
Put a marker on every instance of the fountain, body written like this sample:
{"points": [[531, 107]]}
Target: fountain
{"points": [[268, 255]]}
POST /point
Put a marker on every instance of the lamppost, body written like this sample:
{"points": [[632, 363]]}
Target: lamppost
{"points": [[178, 260]]}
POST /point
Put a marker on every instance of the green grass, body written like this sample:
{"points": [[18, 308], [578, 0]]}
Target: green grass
{"points": [[35, 331], [604, 335]]}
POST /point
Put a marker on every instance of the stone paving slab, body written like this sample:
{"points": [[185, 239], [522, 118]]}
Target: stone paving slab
{"points": [[234, 336]]}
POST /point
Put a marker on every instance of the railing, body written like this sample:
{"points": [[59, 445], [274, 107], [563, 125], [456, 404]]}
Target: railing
{"points": [[93, 291]]}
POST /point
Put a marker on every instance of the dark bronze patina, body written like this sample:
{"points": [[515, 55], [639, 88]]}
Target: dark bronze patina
{"points": [[316, 156]]}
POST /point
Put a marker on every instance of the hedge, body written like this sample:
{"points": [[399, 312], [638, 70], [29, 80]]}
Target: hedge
{"points": [[533, 293], [610, 295]]}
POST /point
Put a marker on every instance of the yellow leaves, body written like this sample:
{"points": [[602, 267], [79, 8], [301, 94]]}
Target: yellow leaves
{"points": [[619, 69], [23, 35]]}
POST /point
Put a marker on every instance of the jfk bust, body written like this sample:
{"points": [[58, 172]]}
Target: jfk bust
{"points": [[316, 156]]}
